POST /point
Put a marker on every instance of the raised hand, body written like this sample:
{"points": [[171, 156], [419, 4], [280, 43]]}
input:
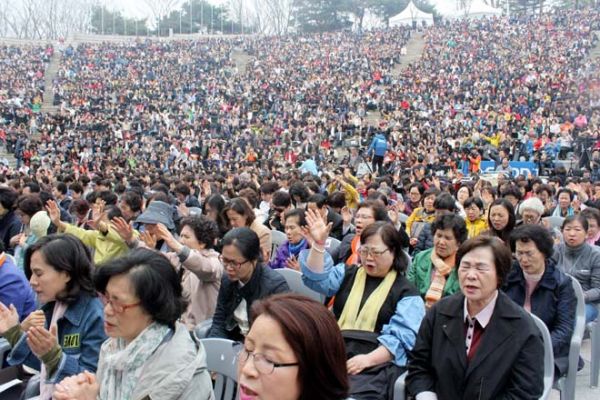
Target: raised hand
{"points": [[98, 213], [316, 230], [162, 232], [53, 212], [183, 210], [124, 229], [346, 215], [9, 317]]}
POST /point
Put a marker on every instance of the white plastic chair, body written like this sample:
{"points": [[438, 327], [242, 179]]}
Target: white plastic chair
{"points": [[277, 239], [554, 222], [400, 387], [4, 349], [294, 281], [548, 357], [201, 330], [331, 245], [594, 329], [566, 384], [221, 358]]}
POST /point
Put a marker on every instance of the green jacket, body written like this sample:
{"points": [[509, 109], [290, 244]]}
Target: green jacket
{"points": [[419, 274]]}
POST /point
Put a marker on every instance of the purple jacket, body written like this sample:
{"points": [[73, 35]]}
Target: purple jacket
{"points": [[282, 254]]}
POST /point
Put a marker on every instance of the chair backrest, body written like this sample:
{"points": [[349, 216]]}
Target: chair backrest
{"points": [[548, 357], [294, 281], [554, 221], [400, 387], [4, 349], [331, 245], [277, 239], [566, 384], [201, 330], [221, 359]]}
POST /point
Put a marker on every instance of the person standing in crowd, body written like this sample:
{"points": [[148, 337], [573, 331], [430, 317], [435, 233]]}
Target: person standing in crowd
{"points": [[378, 148]]}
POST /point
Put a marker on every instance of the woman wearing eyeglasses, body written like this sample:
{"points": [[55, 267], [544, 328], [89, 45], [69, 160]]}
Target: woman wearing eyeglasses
{"points": [[246, 280], [536, 283], [478, 344], [377, 308], [148, 354], [63, 338], [294, 350]]}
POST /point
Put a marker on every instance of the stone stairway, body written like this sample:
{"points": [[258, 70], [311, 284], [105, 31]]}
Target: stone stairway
{"points": [[49, 76], [595, 52]]}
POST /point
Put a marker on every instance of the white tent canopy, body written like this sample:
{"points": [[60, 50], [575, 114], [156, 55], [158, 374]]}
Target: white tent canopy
{"points": [[452, 9], [411, 14]]}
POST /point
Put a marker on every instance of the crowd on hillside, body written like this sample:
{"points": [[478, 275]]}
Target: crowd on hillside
{"points": [[176, 189]]}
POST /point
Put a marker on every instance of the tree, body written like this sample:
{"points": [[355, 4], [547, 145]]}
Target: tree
{"points": [[319, 16]]}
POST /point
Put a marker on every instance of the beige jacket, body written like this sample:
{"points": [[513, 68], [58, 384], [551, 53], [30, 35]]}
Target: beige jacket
{"points": [[264, 235], [201, 281]]}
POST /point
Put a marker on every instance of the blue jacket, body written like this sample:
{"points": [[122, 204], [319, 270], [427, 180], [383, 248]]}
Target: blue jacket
{"points": [[378, 145], [553, 301], [15, 289], [80, 335]]}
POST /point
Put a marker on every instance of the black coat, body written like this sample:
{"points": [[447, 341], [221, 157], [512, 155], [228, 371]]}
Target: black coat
{"points": [[263, 283], [10, 225], [508, 364], [337, 224], [554, 302]]}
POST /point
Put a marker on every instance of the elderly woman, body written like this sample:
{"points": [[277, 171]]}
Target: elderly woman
{"points": [[193, 254], [478, 344], [288, 251], [421, 216], [593, 217], [531, 211], [149, 354], [581, 260], [433, 271], [297, 352], [246, 280], [239, 214], [542, 289], [377, 308], [63, 338]]}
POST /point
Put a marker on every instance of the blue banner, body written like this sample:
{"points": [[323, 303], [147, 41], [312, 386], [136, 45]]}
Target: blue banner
{"points": [[518, 167]]}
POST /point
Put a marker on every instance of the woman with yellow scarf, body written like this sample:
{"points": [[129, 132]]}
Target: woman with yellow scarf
{"points": [[378, 310]]}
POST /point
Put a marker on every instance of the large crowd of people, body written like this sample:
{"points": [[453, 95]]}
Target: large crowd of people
{"points": [[155, 198]]}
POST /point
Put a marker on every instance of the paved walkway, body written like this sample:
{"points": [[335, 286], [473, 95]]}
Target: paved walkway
{"points": [[582, 388]]}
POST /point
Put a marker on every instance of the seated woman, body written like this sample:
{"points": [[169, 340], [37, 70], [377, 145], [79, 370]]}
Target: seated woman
{"points": [[297, 352], [433, 271], [149, 355], [239, 214], [581, 260], [478, 344], [501, 219], [542, 289], [421, 216], [194, 255], [64, 337], [377, 308], [287, 253], [476, 220], [246, 280]]}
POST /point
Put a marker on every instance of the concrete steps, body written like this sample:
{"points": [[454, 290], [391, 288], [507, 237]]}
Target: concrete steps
{"points": [[414, 49], [595, 52], [49, 77]]}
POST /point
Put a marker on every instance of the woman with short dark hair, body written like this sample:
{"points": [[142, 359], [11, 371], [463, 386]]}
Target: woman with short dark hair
{"points": [[148, 353], [542, 289], [246, 280], [309, 360], [287, 253], [478, 344], [63, 338]]}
